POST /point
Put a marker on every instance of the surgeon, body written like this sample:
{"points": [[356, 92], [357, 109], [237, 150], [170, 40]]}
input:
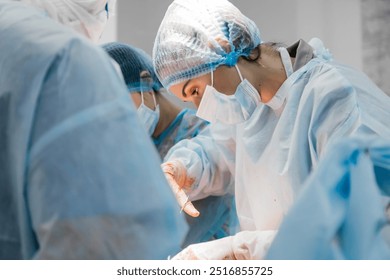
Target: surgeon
{"points": [[273, 112], [88, 17], [168, 124], [79, 177]]}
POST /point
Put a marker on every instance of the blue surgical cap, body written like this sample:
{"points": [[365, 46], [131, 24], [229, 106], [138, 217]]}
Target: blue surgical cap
{"points": [[133, 62], [197, 36]]}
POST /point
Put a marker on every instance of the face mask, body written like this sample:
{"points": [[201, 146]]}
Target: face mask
{"points": [[286, 60], [278, 100], [148, 116], [229, 109]]}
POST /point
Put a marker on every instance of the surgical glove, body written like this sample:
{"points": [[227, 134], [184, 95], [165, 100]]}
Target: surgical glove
{"points": [[220, 249], [176, 175], [245, 245]]}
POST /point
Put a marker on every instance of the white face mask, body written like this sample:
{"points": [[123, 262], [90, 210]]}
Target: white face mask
{"points": [[229, 109], [148, 116], [279, 99], [286, 60]]}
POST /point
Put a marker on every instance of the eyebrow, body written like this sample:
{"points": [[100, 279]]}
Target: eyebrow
{"points": [[184, 87]]}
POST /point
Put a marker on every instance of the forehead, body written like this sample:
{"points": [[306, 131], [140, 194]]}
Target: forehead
{"points": [[177, 89]]}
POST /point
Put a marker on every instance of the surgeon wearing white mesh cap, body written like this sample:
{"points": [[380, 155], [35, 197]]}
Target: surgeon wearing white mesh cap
{"points": [[88, 17], [273, 112]]}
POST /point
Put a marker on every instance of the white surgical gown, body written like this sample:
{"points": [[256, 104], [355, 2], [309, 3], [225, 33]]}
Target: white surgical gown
{"points": [[271, 154], [71, 186]]}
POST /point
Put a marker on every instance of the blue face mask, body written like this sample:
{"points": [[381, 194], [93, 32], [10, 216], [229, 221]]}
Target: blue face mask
{"points": [[148, 116], [229, 109]]}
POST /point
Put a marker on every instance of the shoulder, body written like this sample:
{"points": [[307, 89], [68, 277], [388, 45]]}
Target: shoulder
{"points": [[28, 35], [328, 85]]}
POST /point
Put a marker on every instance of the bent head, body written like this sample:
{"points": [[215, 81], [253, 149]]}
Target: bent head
{"points": [[196, 47], [224, 79], [209, 53], [197, 36], [141, 81]]}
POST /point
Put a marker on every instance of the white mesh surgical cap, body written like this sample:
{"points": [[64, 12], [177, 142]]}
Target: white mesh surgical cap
{"points": [[88, 17], [197, 36]]}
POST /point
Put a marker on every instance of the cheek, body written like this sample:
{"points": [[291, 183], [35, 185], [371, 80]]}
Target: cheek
{"points": [[226, 80], [196, 100], [136, 99], [148, 101], [180, 97]]}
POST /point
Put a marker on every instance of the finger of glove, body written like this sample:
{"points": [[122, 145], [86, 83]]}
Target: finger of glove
{"points": [[182, 197], [186, 254]]}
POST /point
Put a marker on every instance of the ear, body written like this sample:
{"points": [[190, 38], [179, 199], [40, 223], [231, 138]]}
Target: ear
{"points": [[255, 54], [146, 79], [224, 45]]}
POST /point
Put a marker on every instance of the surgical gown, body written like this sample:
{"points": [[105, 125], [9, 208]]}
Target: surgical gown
{"points": [[218, 216], [271, 154], [340, 211], [71, 186]]}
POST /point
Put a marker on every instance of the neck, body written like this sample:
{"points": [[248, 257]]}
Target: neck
{"points": [[267, 74], [168, 112]]}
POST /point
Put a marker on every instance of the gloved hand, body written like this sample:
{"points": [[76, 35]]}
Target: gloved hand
{"points": [[245, 245], [176, 175], [220, 249]]}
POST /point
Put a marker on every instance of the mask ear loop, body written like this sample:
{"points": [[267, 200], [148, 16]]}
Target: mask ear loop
{"points": [[286, 60], [145, 79], [239, 73], [154, 99], [142, 90], [212, 78]]}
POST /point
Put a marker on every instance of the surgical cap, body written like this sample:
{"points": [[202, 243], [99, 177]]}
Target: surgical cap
{"points": [[88, 17], [132, 62], [197, 36]]}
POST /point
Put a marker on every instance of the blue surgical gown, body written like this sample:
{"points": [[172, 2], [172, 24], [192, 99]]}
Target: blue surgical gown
{"points": [[71, 186], [186, 125], [218, 216], [340, 212], [270, 155]]}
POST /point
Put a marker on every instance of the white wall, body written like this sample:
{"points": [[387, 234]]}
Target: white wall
{"points": [[336, 22], [340, 24], [376, 41]]}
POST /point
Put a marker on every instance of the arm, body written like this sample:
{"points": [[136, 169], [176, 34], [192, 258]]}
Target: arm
{"points": [[334, 109], [208, 159], [245, 245]]}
